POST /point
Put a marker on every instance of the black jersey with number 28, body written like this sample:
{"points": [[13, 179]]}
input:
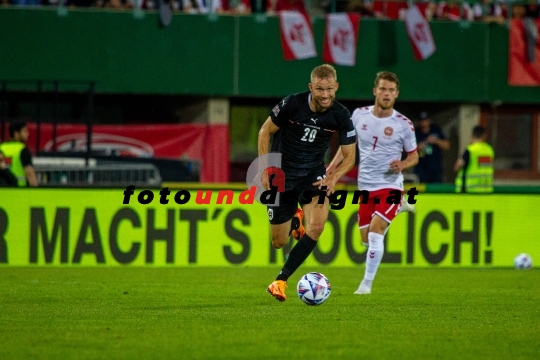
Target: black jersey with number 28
{"points": [[305, 135]]}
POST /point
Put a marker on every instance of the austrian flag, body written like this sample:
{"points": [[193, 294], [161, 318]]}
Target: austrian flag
{"points": [[419, 34], [296, 35], [340, 38]]}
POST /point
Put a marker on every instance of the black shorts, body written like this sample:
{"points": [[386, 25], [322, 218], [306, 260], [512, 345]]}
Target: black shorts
{"points": [[302, 192]]}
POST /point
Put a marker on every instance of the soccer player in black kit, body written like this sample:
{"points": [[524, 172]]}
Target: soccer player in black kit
{"points": [[306, 122]]}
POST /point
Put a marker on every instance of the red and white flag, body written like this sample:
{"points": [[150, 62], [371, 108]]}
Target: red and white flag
{"points": [[340, 38], [296, 35], [419, 34], [524, 53]]}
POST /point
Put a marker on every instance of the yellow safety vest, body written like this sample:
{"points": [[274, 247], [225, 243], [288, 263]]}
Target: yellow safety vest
{"points": [[12, 152], [478, 175]]}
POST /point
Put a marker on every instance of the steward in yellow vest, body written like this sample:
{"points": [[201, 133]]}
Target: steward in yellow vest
{"points": [[475, 167], [17, 155]]}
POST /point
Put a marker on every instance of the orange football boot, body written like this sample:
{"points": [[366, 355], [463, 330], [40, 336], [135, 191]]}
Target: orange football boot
{"points": [[277, 290]]}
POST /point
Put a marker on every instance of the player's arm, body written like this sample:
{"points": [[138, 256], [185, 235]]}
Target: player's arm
{"points": [[410, 146], [349, 156], [411, 160], [266, 131], [338, 158], [346, 133], [263, 144]]}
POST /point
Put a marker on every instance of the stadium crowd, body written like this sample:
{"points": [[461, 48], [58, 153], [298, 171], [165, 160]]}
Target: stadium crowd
{"points": [[452, 10]]}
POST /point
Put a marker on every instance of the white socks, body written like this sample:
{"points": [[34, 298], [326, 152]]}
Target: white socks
{"points": [[373, 257]]}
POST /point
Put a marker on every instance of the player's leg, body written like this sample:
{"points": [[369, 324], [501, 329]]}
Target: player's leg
{"points": [[280, 225], [364, 231], [375, 252], [365, 214], [316, 215], [279, 234], [381, 218]]}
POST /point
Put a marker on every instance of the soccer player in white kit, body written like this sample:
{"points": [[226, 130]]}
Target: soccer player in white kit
{"points": [[383, 134]]}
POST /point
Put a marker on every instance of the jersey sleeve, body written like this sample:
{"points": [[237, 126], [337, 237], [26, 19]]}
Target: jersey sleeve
{"points": [[409, 138], [280, 112], [347, 132], [26, 157]]}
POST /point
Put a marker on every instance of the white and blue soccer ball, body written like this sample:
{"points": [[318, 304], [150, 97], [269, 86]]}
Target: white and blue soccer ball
{"points": [[523, 261], [314, 288]]}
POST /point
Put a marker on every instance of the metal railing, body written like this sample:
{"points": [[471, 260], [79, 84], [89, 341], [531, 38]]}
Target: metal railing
{"points": [[115, 175]]}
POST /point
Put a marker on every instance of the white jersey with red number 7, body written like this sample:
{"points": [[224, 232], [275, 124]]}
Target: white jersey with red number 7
{"points": [[380, 141]]}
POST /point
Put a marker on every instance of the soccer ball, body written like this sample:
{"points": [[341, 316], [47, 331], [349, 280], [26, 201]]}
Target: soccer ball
{"points": [[313, 288], [523, 261]]}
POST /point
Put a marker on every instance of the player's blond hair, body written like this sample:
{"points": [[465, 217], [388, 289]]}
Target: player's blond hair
{"points": [[323, 72], [388, 76]]}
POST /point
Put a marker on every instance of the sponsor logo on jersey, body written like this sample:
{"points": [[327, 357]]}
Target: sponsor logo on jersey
{"points": [[364, 126], [314, 120], [388, 131]]}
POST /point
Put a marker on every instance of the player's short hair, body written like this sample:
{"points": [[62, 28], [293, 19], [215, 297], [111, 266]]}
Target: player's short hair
{"points": [[323, 72], [478, 131], [387, 75], [16, 126]]}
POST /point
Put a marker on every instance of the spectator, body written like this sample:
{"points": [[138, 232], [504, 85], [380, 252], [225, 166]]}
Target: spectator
{"points": [[488, 11], [6, 177], [363, 8], [255, 6], [431, 143], [475, 167], [532, 9], [206, 6], [519, 11], [449, 11], [394, 10], [114, 4], [427, 8], [291, 5], [145, 4], [17, 155]]}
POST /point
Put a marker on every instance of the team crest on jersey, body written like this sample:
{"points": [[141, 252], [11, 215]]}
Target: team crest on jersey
{"points": [[364, 126], [270, 214], [275, 110], [388, 131]]}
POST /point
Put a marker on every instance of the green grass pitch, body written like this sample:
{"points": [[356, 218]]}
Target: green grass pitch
{"points": [[225, 313]]}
